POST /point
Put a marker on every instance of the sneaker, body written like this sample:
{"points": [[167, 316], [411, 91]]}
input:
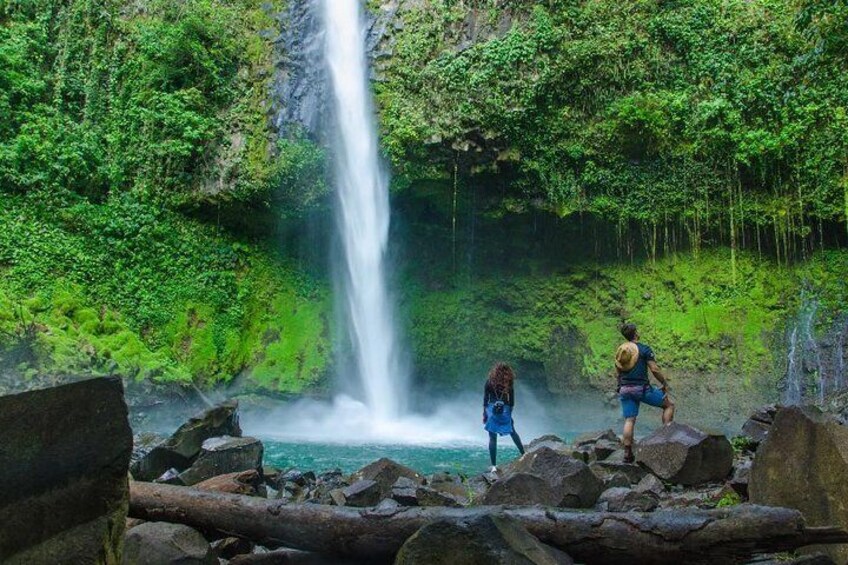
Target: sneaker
{"points": [[494, 469]]}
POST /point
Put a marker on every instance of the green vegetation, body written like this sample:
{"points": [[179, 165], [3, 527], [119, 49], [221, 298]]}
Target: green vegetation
{"points": [[563, 327], [126, 288], [164, 100], [721, 118], [131, 132], [729, 498]]}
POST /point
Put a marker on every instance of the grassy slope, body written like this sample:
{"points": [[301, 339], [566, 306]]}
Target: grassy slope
{"points": [[698, 319], [122, 287]]}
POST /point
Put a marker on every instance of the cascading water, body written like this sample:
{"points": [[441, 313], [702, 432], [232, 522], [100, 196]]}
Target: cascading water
{"points": [[363, 227], [363, 213], [814, 363]]}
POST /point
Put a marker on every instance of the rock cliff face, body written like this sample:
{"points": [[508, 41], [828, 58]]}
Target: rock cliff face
{"points": [[298, 92]]}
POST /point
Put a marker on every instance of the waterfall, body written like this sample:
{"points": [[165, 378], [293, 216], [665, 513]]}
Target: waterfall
{"points": [[362, 214], [814, 362]]}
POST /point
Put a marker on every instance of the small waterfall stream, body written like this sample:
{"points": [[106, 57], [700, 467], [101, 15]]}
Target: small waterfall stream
{"points": [[363, 213], [815, 365]]}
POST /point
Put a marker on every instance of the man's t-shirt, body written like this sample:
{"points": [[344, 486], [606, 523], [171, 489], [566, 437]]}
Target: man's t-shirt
{"points": [[638, 375]]}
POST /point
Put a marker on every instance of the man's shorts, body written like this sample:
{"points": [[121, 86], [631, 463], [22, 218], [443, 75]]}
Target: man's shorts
{"points": [[630, 402]]}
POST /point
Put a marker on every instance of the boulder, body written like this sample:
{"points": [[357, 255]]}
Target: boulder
{"points": [[180, 450], [324, 484], [483, 541], [616, 480], [222, 455], [521, 488], [606, 469], [625, 500], [385, 473], [584, 453], [803, 464], [450, 484], [684, 455], [571, 483], [161, 543], [604, 448], [650, 483], [64, 458], [143, 443], [758, 425], [428, 496], [595, 437], [404, 492], [248, 482], [362, 493], [554, 442], [740, 478]]}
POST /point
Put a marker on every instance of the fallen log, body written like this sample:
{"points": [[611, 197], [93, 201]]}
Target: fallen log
{"points": [[728, 535]]}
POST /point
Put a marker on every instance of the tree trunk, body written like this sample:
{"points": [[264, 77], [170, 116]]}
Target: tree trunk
{"points": [[667, 536]]}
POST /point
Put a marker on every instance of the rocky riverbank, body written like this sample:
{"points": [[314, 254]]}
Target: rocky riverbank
{"points": [[204, 495], [678, 469]]}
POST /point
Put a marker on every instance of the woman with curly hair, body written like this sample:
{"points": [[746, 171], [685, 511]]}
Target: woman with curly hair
{"points": [[498, 401]]}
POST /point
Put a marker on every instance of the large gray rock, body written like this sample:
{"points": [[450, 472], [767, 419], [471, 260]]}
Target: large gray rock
{"points": [[483, 541], [385, 473], [684, 455], [362, 493], [594, 437], [626, 500], [64, 456], [522, 489], [741, 476], [404, 492], [428, 496], [606, 469], [571, 483], [757, 427], [803, 464], [249, 483], [161, 543], [554, 442], [650, 483], [180, 450], [222, 455]]}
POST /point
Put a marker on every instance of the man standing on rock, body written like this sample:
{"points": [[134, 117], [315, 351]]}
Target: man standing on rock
{"points": [[632, 361]]}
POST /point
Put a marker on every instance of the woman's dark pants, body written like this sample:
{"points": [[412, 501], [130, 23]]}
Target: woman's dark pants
{"points": [[493, 445]]}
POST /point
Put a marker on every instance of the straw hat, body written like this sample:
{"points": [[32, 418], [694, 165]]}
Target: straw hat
{"points": [[626, 356]]}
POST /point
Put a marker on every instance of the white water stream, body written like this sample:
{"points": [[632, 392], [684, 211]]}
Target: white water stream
{"points": [[363, 215]]}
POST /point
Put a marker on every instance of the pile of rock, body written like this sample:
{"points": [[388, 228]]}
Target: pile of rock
{"points": [[676, 466], [206, 446]]}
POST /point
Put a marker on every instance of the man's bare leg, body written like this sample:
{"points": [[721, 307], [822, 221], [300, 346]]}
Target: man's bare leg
{"points": [[629, 426], [668, 412]]}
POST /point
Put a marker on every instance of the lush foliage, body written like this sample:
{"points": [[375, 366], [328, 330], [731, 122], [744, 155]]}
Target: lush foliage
{"points": [[724, 117], [562, 327], [126, 288], [159, 98]]}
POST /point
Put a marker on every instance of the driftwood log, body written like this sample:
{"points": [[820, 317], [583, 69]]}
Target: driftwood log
{"points": [[729, 535]]}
